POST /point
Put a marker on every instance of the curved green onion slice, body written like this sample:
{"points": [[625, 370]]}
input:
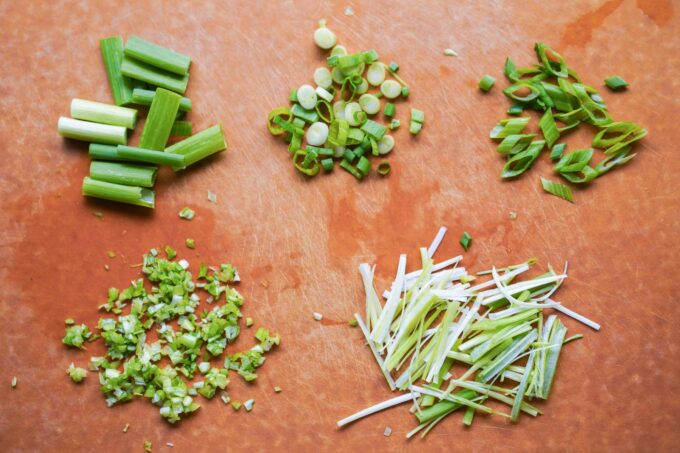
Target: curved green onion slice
{"points": [[280, 112], [510, 91], [553, 63], [512, 144], [355, 136], [562, 101], [549, 128], [613, 161], [384, 168], [617, 132], [329, 116], [337, 133], [521, 162], [308, 166], [619, 146], [574, 161], [597, 113], [586, 174], [510, 70], [288, 127], [557, 189], [510, 126], [571, 119], [309, 116]]}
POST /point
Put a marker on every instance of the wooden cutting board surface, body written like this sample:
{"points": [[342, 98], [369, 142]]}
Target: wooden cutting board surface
{"points": [[297, 242]]}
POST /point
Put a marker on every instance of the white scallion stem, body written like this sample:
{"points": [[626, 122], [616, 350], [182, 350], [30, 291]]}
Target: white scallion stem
{"points": [[103, 113], [378, 359], [576, 316], [376, 408], [436, 242], [92, 132]]}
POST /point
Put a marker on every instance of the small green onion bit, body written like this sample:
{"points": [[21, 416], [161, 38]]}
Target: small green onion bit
{"points": [[616, 83], [384, 169], [465, 240], [98, 112], [92, 132], [486, 83], [199, 146], [389, 110], [142, 96]]}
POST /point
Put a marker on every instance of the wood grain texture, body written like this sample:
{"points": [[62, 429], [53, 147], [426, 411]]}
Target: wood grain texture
{"points": [[616, 390]]}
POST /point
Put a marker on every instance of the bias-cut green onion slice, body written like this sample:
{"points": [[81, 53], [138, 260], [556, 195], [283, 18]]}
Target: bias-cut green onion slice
{"points": [[620, 158], [127, 174], [574, 161], [553, 63], [98, 151], [616, 133], [512, 144], [92, 132], [364, 166], [151, 156], [112, 54], [562, 101], [199, 146], [138, 70], [117, 192], [515, 109], [510, 126], [158, 56], [283, 113], [557, 189], [585, 175], [305, 165], [510, 70], [549, 128], [181, 129], [512, 90], [522, 161], [98, 112], [465, 240], [615, 149], [142, 96], [615, 83], [597, 114], [158, 125], [557, 151], [384, 168], [486, 83]]}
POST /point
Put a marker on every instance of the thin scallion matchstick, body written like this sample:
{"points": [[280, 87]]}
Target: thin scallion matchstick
{"points": [[92, 132], [199, 146], [112, 54], [176, 161], [158, 56], [126, 174], [161, 117], [138, 70], [145, 97], [103, 113], [117, 192]]}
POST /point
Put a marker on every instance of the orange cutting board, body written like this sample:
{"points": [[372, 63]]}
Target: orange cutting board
{"points": [[297, 242]]}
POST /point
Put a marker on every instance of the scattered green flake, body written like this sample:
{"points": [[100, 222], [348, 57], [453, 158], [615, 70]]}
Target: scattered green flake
{"points": [[170, 252], [15, 381], [69, 321], [98, 214], [353, 322], [248, 405], [486, 83], [249, 322], [187, 213], [75, 336], [190, 243], [557, 189], [111, 254], [465, 240], [394, 124], [277, 389], [76, 374], [236, 405], [147, 445], [615, 83]]}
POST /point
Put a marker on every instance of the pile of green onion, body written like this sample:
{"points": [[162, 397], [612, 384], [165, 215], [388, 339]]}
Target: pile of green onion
{"points": [[337, 120], [188, 341], [557, 92], [450, 343], [139, 73]]}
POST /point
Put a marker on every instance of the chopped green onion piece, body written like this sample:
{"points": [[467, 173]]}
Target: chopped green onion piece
{"points": [[112, 54], [414, 128], [364, 166], [345, 165], [126, 427], [142, 96], [337, 133], [309, 116], [278, 114], [615, 83], [557, 189], [98, 112], [160, 120], [620, 158], [510, 126], [384, 169], [486, 83], [417, 116], [248, 405], [15, 381], [76, 374], [515, 109], [553, 63], [391, 89], [69, 321], [236, 405], [549, 128], [309, 166], [393, 67], [521, 85], [574, 161], [92, 132], [158, 56], [510, 70], [139, 70], [389, 109], [277, 389], [557, 151], [584, 175], [170, 252], [327, 164], [394, 124], [151, 156], [349, 156], [147, 446], [116, 192], [405, 92], [190, 243], [104, 152], [199, 146], [249, 322], [187, 213], [512, 144], [465, 240], [121, 173], [181, 129], [328, 152], [522, 161], [373, 129]]}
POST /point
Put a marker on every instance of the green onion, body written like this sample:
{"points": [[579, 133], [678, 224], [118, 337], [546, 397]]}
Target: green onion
{"points": [[515, 109], [187, 213], [373, 129], [151, 156], [306, 163], [199, 146], [522, 161], [512, 144], [157, 56], [553, 63], [510, 70], [158, 125], [364, 166], [126, 174], [549, 128], [92, 132], [76, 374], [486, 83], [465, 240], [615, 83], [103, 113], [310, 116], [181, 129], [521, 85], [584, 175], [384, 168], [389, 109], [394, 124], [15, 381], [145, 97], [620, 158], [557, 151], [393, 67], [104, 152], [574, 161], [138, 70], [405, 92], [117, 192], [557, 189], [347, 166], [338, 131], [112, 54], [327, 164], [510, 126]]}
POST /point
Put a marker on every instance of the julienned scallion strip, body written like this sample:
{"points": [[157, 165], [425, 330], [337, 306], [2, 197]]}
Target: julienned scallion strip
{"points": [[98, 112], [123, 173], [150, 156], [145, 97], [139, 70], [199, 146], [139, 196], [112, 55], [158, 56], [92, 132], [162, 114]]}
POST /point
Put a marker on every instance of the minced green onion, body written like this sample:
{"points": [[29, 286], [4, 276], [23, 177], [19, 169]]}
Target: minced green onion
{"points": [[615, 83], [92, 132], [139, 196], [158, 56], [465, 240], [122, 173], [76, 374], [139, 70], [574, 161], [553, 63], [187, 213], [112, 54], [512, 144], [373, 129], [557, 189], [151, 156], [98, 112], [199, 146], [394, 124], [510, 126], [389, 109], [486, 83], [327, 164], [147, 446], [515, 109], [160, 120]]}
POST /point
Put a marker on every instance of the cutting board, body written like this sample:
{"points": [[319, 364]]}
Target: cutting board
{"points": [[297, 242]]}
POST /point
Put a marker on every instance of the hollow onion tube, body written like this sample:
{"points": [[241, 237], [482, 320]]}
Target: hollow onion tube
{"points": [[112, 54], [138, 70], [199, 146], [158, 56], [145, 97], [97, 151], [122, 173], [99, 112], [92, 132], [151, 156], [117, 192], [161, 117]]}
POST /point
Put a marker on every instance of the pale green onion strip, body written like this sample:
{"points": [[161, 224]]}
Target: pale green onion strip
{"points": [[381, 329], [99, 112], [436, 242], [378, 359], [92, 132], [377, 408], [373, 307], [455, 399], [588, 322], [493, 392], [519, 397]]}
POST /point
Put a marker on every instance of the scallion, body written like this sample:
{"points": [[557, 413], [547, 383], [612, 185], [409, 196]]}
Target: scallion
{"points": [[151, 156], [121, 173], [117, 192], [98, 112], [112, 54], [199, 146], [158, 56], [486, 83], [145, 97], [139, 70], [92, 132], [158, 125], [557, 189], [615, 83]]}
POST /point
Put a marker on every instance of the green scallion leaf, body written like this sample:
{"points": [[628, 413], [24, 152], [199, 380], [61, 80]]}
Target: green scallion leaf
{"points": [[465, 240], [549, 128], [158, 56], [139, 70], [522, 161], [92, 132], [615, 83], [112, 54], [389, 109], [510, 126], [557, 151], [98, 112], [160, 120], [139, 196], [557, 189], [513, 144], [181, 129], [574, 161], [122, 173], [98, 151]]}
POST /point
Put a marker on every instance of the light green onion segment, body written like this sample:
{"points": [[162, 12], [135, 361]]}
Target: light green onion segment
{"points": [[451, 344], [112, 55], [92, 132], [145, 97], [181, 129], [199, 146], [144, 72], [123, 173], [98, 112], [139, 196], [162, 114], [158, 56], [151, 156]]}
